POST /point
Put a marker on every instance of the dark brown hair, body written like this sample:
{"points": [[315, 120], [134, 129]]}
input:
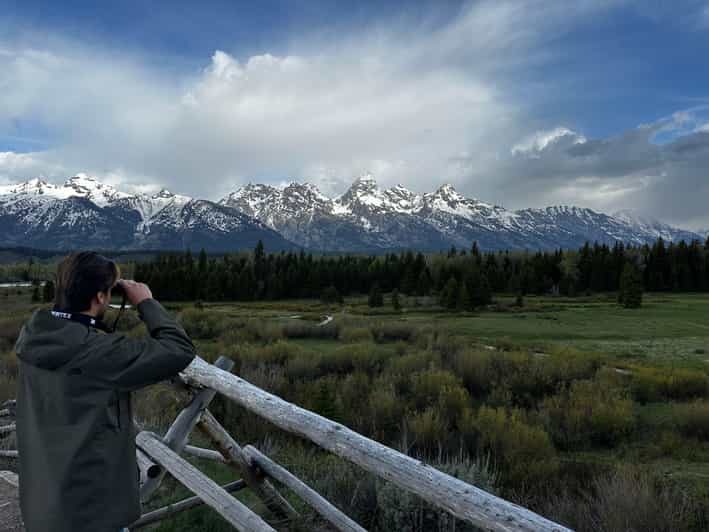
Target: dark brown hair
{"points": [[79, 276]]}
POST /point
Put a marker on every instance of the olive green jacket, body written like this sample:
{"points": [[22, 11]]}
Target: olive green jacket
{"points": [[75, 434]]}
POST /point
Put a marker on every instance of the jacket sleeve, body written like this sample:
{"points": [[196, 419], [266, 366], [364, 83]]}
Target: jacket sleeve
{"points": [[128, 364]]}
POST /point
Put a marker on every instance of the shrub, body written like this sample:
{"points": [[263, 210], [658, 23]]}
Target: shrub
{"points": [[398, 509], [693, 419], [352, 395], [392, 331], [304, 365], [452, 401], [345, 485], [588, 412], [525, 377], [475, 369], [524, 452], [654, 384], [426, 386], [428, 428], [270, 378], [366, 357], [277, 353], [251, 330], [446, 345], [412, 362], [386, 410], [303, 329], [355, 334], [325, 399], [627, 499], [200, 324]]}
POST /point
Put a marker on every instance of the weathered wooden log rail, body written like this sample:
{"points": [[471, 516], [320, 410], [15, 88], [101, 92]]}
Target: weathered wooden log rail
{"points": [[157, 456], [463, 500]]}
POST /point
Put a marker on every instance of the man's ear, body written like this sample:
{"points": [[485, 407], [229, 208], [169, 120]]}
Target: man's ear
{"points": [[101, 297]]}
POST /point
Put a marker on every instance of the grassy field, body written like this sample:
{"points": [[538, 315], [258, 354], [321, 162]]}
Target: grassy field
{"points": [[576, 397], [668, 329]]}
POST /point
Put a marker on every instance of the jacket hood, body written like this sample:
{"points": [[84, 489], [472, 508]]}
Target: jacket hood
{"points": [[49, 342]]}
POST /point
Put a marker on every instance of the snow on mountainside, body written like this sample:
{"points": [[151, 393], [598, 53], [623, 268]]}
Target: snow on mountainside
{"points": [[366, 217], [650, 225], [83, 212], [81, 186]]}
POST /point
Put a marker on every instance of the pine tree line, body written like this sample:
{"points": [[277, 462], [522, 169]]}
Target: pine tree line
{"points": [[461, 278]]}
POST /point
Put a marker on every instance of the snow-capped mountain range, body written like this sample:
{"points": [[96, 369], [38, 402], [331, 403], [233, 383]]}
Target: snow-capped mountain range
{"points": [[85, 213], [368, 217]]}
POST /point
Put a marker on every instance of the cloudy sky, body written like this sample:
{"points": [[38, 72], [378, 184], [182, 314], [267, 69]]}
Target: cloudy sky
{"points": [[598, 103]]}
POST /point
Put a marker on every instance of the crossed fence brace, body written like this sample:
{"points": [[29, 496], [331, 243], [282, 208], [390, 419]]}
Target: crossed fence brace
{"points": [[158, 456]]}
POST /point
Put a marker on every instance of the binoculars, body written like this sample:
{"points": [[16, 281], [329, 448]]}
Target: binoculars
{"points": [[118, 290]]}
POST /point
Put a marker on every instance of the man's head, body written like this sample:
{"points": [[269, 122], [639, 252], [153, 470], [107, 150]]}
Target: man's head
{"points": [[84, 282]]}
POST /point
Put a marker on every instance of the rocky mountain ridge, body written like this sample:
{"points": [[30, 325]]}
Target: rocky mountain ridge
{"points": [[83, 212]]}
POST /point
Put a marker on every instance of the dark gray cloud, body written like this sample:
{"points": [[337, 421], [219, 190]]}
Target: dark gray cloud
{"points": [[668, 179]]}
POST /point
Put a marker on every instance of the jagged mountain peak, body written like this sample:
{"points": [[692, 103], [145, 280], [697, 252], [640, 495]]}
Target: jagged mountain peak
{"points": [[403, 200], [256, 186], [447, 199], [36, 185], [401, 188], [307, 189], [448, 193], [88, 187], [362, 193], [163, 193], [557, 210], [367, 179], [80, 185], [447, 188]]}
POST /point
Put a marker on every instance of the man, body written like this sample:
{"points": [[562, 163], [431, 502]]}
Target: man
{"points": [[75, 435]]}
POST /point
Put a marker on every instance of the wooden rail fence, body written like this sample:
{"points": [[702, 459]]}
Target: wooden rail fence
{"points": [[158, 456]]}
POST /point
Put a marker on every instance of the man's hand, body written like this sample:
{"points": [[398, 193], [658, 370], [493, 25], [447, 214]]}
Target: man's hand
{"points": [[135, 292]]}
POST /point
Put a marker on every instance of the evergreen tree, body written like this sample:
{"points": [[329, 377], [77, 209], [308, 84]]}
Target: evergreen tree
{"points": [[679, 266], [463, 299], [474, 250], [449, 294], [424, 283], [631, 290], [259, 261], [479, 289], [408, 283], [395, 303], [330, 295], [325, 401], [202, 262], [376, 298]]}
